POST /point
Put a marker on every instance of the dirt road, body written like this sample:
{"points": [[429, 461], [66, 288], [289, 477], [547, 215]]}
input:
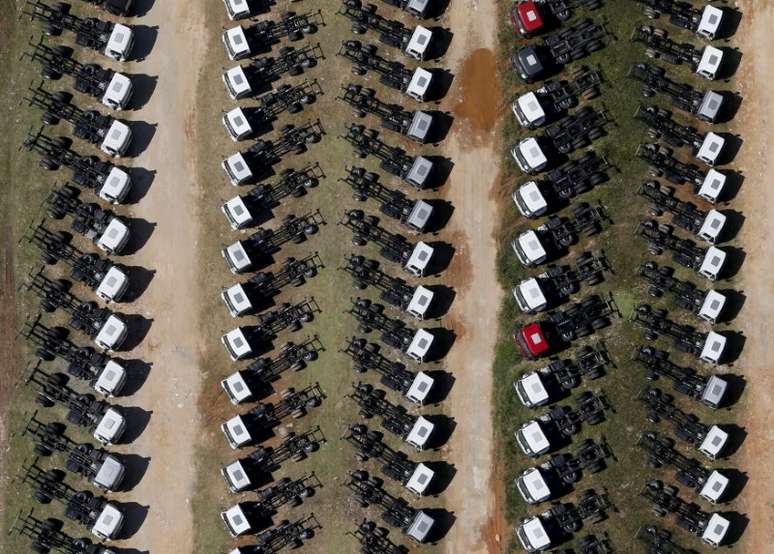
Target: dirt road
{"points": [[756, 197], [172, 344], [473, 147]]}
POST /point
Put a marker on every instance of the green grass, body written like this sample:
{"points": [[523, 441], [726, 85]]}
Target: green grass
{"points": [[331, 289], [627, 472]]}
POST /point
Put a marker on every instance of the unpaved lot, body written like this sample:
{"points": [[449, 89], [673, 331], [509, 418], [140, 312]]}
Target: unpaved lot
{"points": [[171, 300], [473, 146], [756, 159]]}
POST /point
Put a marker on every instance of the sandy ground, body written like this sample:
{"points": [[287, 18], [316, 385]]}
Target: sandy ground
{"points": [[756, 160], [172, 343], [473, 147]]}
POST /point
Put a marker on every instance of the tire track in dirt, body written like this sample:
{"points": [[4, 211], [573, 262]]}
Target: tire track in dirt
{"points": [[7, 346]]}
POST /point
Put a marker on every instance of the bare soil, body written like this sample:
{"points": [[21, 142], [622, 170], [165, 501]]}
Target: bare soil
{"points": [[474, 148], [755, 199]]}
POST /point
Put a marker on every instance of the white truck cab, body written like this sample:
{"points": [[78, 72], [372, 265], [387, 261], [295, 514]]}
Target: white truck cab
{"points": [[709, 109], [111, 379], [237, 213], [236, 44], [112, 334], [712, 226], [419, 259], [110, 474], [237, 9], [110, 427], [115, 237], [117, 139], [113, 286], [419, 216], [237, 258], [710, 148], [116, 186], [420, 527], [532, 439], [118, 92], [236, 388], [236, 300], [531, 390], [120, 44], [714, 392], [532, 535], [419, 172], [714, 346], [236, 521], [709, 23], [529, 200], [236, 344], [420, 433], [529, 296], [532, 486], [713, 489], [420, 345], [528, 111], [712, 187], [420, 479], [419, 42], [237, 125], [419, 85], [420, 388], [528, 249], [236, 477], [529, 156], [236, 432], [237, 169], [420, 302], [717, 527], [420, 126], [711, 59], [109, 522], [712, 306], [712, 264], [714, 443], [237, 84]]}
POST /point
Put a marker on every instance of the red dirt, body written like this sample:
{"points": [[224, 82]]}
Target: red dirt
{"points": [[480, 92]]}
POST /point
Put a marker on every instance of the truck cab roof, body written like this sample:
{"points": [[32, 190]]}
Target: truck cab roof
{"points": [[420, 388], [529, 199], [712, 306], [236, 344], [120, 43], [419, 84], [712, 263], [709, 22], [419, 172], [714, 391], [236, 44], [712, 187], [237, 258], [533, 486], [712, 226], [118, 92], [236, 476], [111, 379], [713, 349], [532, 439], [236, 388], [417, 7], [237, 9], [112, 334], [534, 389], [710, 106], [420, 302], [237, 213], [713, 489], [110, 427], [529, 296], [419, 216], [420, 345], [116, 186], [237, 169], [716, 529], [529, 249], [528, 111], [529, 156], [110, 473], [113, 285], [710, 148], [117, 139], [420, 126], [236, 299], [714, 442], [420, 433], [528, 63], [420, 527], [419, 259], [711, 59], [420, 479], [419, 42], [115, 236], [236, 432], [533, 536], [236, 123], [535, 339], [237, 523], [109, 522], [236, 82]]}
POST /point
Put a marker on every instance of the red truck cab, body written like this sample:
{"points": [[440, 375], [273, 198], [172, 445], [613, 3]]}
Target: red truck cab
{"points": [[531, 341], [526, 18]]}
